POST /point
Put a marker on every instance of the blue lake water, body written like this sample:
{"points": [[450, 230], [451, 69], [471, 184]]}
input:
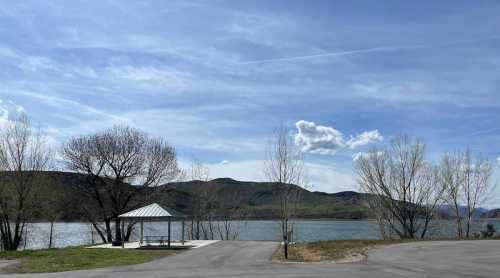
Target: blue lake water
{"points": [[74, 234]]}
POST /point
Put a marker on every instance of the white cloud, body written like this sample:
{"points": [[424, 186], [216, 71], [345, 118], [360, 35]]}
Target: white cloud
{"points": [[9, 111], [357, 156], [498, 160], [364, 138], [320, 139]]}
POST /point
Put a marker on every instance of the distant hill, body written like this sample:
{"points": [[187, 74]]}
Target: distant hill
{"points": [[494, 213], [256, 199], [448, 211]]}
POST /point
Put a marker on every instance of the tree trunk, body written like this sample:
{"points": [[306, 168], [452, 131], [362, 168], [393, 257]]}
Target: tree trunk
{"points": [[25, 237], [118, 232], [424, 230], [109, 235], [130, 229], [467, 231], [459, 227], [101, 233], [50, 233], [286, 248], [285, 238], [197, 234]]}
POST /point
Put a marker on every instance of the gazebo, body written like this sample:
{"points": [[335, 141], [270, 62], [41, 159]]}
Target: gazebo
{"points": [[151, 213]]}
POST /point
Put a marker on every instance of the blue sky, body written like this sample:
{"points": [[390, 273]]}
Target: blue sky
{"points": [[216, 77]]}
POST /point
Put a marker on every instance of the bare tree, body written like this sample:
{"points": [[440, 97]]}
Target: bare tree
{"points": [[477, 185], [231, 218], [229, 224], [202, 213], [403, 186], [209, 218], [468, 184], [24, 154], [121, 165], [284, 166], [451, 178]]}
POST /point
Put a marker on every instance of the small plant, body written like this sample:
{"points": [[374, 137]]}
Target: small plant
{"points": [[489, 232]]}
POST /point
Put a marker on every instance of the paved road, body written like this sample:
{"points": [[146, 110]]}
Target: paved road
{"points": [[252, 259]]}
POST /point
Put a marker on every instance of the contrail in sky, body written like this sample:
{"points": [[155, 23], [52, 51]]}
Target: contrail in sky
{"points": [[334, 54], [365, 50]]}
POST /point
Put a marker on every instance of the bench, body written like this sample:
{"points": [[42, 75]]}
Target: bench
{"points": [[161, 240]]}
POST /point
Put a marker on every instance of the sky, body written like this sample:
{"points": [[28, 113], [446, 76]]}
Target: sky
{"points": [[216, 78]]}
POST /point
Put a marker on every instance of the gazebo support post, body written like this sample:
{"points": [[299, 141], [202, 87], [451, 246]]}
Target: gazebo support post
{"points": [[183, 231], [142, 232], [122, 233], [169, 220]]}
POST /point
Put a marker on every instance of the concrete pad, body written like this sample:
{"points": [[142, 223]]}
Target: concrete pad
{"points": [[135, 244]]}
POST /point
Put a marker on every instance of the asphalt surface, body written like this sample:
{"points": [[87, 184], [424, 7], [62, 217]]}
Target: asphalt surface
{"points": [[252, 259]]}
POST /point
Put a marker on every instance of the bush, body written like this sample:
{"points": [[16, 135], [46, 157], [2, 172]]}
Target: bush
{"points": [[489, 232]]}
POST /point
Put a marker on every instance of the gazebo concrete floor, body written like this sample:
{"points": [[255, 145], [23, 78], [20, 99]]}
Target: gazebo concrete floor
{"points": [[174, 244]]}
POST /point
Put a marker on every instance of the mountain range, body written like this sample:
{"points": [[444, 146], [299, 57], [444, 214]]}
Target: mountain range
{"points": [[254, 200]]}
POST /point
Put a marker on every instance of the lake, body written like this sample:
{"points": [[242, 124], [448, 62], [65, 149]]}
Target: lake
{"points": [[74, 234]]}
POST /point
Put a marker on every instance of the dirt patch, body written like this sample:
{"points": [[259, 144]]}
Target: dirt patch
{"points": [[342, 251], [5, 265]]}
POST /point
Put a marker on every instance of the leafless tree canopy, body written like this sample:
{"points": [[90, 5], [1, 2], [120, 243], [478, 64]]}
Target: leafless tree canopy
{"points": [[201, 226], [403, 184], [23, 155], [467, 185], [113, 160], [209, 219], [284, 166]]}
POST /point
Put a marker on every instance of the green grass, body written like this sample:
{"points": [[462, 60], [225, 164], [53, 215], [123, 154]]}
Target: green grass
{"points": [[75, 258]]}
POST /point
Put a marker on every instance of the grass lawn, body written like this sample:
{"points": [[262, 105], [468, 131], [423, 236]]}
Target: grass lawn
{"points": [[335, 250], [74, 258]]}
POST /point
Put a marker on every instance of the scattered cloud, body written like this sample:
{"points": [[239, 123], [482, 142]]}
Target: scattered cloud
{"points": [[9, 111], [364, 138], [35, 63], [187, 82], [327, 140], [359, 155], [164, 76], [61, 102]]}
